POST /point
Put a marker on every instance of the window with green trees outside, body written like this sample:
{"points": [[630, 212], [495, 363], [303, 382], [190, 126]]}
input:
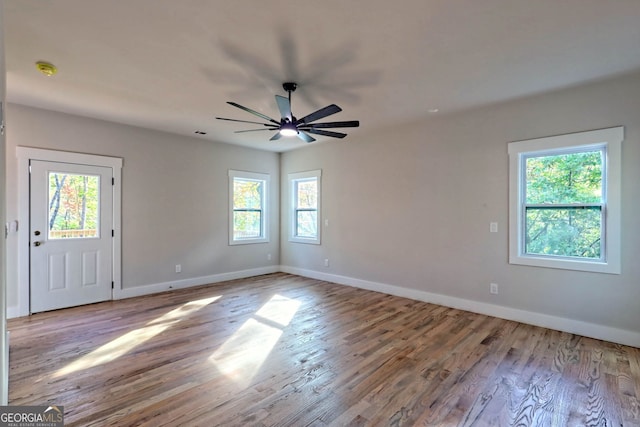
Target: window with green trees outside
{"points": [[564, 201], [248, 207], [304, 194]]}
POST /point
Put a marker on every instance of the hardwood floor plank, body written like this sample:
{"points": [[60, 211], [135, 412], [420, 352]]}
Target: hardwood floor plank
{"points": [[282, 350]]}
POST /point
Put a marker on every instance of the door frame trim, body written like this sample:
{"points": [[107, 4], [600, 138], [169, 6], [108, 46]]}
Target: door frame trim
{"points": [[25, 155]]}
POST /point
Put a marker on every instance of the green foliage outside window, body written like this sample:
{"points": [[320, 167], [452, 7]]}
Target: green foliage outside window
{"points": [[247, 208], [563, 204], [306, 209], [73, 205]]}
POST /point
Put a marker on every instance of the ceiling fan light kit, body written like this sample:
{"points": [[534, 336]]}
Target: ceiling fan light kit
{"points": [[289, 125], [288, 129]]}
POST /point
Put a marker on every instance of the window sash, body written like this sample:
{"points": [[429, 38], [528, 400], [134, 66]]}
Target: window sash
{"points": [[525, 251], [246, 234], [299, 232], [256, 228], [297, 210], [527, 207], [601, 148], [305, 214]]}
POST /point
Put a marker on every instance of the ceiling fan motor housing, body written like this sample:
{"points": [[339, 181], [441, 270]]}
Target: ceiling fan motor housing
{"points": [[289, 86]]}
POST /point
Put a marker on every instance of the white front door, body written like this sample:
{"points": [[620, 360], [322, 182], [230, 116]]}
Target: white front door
{"points": [[71, 227]]}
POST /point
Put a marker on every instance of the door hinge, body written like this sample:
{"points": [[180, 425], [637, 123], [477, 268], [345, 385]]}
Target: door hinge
{"points": [[113, 233], [112, 285], [2, 125], [113, 181]]}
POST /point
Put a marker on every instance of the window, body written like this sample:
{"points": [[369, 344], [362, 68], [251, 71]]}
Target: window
{"points": [[248, 201], [304, 190], [565, 201], [74, 206]]}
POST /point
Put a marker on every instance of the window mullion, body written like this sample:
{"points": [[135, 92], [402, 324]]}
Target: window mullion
{"points": [[564, 206]]}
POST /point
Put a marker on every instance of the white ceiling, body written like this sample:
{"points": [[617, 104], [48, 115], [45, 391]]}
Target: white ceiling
{"points": [[171, 65]]}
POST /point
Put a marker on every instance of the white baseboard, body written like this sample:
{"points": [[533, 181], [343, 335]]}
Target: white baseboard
{"points": [[194, 281], [14, 311], [591, 330]]}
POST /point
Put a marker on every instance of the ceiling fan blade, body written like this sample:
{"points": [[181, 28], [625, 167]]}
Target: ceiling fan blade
{"points": [[317, 115], [305, 136], [244, 121], [254, 130], [346, 124], [327, 133], [249, 110], [284, 106], [278, 135]]}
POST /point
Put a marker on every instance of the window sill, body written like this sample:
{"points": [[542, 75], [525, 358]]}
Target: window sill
{"points": [[566, 264], [247, 241], [305, 241]]}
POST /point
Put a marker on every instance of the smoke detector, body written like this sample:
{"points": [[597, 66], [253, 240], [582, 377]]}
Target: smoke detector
{"points": [[46, 68]]}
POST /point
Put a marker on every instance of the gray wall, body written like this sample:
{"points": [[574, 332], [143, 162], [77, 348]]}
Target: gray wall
{"points": [[411, 207], [408, 208], [174, 195]]}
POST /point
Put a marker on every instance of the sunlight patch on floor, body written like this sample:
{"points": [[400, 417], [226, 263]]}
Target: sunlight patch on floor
{"points": [[279, 309], [242, 355], [125, 343]]}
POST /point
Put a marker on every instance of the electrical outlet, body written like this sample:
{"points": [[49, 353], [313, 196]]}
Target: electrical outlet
{"points": [[178, 268], [493, 227], [268, 257], [493, 288], [326, 262]]}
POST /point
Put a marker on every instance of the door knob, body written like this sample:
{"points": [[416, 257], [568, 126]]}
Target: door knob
{"points": [[37, 233], [37, 243]]}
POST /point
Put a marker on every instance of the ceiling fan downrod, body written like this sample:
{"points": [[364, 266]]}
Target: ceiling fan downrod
{"points": [[290, 87]]}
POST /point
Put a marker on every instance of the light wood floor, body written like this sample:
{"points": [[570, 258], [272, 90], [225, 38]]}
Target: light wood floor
{"points": [[281, 350]]}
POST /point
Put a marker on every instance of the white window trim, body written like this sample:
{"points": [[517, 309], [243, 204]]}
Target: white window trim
{"points": [[293, 177], [611, 139], [265, 214]]}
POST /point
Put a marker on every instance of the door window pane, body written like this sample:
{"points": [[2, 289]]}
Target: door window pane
{"points": [[74, 202]]}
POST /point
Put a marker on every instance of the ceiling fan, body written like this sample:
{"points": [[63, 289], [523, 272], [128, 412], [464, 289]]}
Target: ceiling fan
{"points": [[289, 125]]}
